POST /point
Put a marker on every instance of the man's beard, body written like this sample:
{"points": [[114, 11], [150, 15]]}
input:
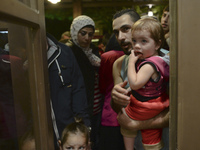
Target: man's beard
{"points": [[127, 50]]}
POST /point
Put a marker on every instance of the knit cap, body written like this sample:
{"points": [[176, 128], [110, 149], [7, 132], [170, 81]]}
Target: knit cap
{"points": [[77, 24]]}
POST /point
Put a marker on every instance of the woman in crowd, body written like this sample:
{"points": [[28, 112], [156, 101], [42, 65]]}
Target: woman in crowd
{"points": [[82, 31]]}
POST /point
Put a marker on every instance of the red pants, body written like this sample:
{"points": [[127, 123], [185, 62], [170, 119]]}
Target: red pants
{"points": [[138, 110]]}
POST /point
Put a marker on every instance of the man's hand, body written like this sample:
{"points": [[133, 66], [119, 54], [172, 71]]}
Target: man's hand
{"points": [[120, 95], [125, 121]]}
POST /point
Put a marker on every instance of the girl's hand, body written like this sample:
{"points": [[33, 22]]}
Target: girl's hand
{"points": [[134, 57]]}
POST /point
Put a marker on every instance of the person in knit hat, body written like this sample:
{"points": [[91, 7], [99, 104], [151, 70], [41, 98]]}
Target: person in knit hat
{"points": [[82, 31]]}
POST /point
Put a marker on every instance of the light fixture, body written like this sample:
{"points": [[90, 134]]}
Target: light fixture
{"points": [[150, 12], [150, 6], [54, 1]]}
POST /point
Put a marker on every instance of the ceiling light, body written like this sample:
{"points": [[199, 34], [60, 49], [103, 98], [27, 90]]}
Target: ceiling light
{"points": [[150, 13], [150, 6], [54, 1]]}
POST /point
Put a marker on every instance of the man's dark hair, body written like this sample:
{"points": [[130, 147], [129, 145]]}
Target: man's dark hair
{"points": [[131, 12], [166, 8]]}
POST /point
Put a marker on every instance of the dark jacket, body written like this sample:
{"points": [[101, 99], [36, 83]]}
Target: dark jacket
{"points": [[88, 72], [67, 88]]}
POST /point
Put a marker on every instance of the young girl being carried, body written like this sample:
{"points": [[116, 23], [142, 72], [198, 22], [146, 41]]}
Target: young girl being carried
{"points": [[148, 76]]}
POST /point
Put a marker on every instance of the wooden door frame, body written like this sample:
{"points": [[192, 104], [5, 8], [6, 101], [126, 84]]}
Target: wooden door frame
{"points": [[173, 75], [184, 74], [15, 12]]}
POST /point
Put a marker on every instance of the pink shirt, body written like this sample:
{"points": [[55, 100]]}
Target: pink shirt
{"points": [[109, 117]]}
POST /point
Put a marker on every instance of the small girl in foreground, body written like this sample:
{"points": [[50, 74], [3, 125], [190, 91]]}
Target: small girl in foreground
{"points": [[75, 136], [148, 76]]}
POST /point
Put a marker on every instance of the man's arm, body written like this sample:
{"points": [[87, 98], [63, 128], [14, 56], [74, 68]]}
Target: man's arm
{"points": [[119, 94], [159, 121]]}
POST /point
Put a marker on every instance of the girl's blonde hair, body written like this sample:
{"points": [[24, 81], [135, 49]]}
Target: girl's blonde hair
{"points": [[153, 26], [74, 128]]}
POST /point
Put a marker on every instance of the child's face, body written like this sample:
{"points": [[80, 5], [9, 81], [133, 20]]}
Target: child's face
{"points": [[75, 142], [143, 44], [29, 145]]}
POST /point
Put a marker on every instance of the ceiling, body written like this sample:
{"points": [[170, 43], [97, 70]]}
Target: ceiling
{"points": [[102, 3], [101, 11]]}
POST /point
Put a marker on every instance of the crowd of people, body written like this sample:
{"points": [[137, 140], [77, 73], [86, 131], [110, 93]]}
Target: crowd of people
{"points": [[115, 100]]}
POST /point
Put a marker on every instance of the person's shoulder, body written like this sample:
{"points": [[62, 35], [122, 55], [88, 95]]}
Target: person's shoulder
{"points": [[65, 50], [118, 62], [157, 59], [164, 51], [110, 57], [120, 59], [64, 46], [112, 53], [161, 59], [106, 54]]}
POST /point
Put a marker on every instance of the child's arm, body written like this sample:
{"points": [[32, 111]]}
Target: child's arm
{"points": [[139, 79]]}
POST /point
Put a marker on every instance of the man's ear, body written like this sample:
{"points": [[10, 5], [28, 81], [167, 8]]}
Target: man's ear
{"points": [[59, 141]]}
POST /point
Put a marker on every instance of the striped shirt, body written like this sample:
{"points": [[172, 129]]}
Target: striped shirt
{"points": [[97, 96]]}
